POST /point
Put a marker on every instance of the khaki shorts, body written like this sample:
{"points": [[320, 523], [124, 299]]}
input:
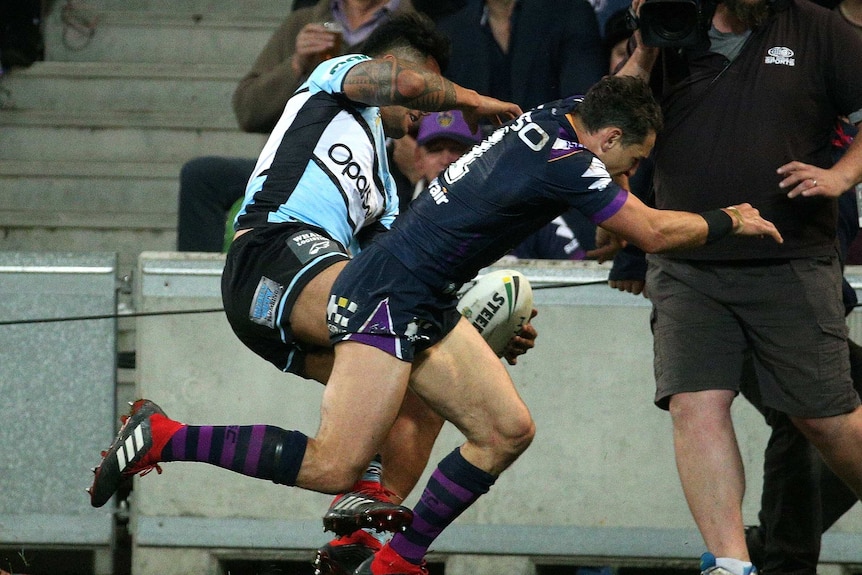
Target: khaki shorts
{"points": [[787, 315]]}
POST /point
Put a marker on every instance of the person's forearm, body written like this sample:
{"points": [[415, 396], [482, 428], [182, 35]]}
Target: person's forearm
{"points": [[259, 98], [640, 63], [850, 164], [388, 82]]}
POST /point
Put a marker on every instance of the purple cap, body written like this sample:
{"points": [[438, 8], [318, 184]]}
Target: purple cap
{"points": [[449, 124]]}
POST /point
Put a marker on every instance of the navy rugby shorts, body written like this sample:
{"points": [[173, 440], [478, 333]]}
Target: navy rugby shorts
{"points": [[265, 271], [377, 301], [710, 317]]}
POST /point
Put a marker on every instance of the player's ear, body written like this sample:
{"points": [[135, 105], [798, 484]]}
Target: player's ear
{"points": [[613, 137]]}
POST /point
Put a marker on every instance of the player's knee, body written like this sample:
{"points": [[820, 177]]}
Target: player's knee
{"points": [[196, 169], [328, 469], [518, 434], [342, 473]]}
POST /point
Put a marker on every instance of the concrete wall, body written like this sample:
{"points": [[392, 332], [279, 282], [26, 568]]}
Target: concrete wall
{"points": [[57, 385], [599, 480]]}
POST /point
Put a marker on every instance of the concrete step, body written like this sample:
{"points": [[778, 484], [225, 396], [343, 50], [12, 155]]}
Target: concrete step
{"points": [[121, 207], [261, 8], [127, 244], [88, 195], [161, 37], [122, 136], [122, 87]]}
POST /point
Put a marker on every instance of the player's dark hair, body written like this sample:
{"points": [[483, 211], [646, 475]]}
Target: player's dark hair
{"points": [[413, 33], [625, 102]]}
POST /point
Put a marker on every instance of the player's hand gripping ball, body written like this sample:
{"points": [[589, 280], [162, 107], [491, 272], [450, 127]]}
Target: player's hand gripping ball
{"points": [[498, 304]]}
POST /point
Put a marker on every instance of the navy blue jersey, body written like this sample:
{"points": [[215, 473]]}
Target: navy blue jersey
{"points": [[518, 179]]}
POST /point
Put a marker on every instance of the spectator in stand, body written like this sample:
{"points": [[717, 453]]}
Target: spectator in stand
{"points": [[525, 51], [530, 52], [443, 137]]}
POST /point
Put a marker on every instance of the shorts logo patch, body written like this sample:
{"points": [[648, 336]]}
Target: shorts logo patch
{"points": [[339, 310], [266, 299], [308, 245]]}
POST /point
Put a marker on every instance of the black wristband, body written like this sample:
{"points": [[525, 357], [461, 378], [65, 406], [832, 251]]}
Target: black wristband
{"points": [[719, 224]]}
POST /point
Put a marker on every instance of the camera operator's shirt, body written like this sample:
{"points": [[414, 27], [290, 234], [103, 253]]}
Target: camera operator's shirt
{"points": [[508, 186], [324, 164], [730, 125]]}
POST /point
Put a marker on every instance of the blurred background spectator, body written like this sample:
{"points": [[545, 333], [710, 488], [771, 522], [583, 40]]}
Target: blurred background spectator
{"points": [[526, 51], [21, 41], [443, 137]]}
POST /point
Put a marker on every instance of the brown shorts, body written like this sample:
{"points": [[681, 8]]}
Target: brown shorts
{"points": [[787, 315]]}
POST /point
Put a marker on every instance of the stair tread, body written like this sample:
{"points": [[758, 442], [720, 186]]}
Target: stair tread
{"points": [[92, 169], [180, 120], [147, 70]]}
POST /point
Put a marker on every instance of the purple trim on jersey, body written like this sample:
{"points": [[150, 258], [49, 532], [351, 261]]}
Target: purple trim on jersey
{"points": [[557, 153], [612, 208], [387, 343]]}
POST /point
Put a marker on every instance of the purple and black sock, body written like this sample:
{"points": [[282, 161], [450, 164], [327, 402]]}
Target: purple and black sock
{"points": [[261, 451], [452, 488]]}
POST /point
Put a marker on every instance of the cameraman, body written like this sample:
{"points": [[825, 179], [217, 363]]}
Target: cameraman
{"points": [[750, 103]]}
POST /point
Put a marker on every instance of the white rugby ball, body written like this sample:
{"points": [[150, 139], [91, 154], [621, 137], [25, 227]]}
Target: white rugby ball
{"points": [[498, 304]]}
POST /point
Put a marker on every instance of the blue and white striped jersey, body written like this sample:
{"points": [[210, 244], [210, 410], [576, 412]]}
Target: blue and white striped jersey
{"points": [[324, 163]]}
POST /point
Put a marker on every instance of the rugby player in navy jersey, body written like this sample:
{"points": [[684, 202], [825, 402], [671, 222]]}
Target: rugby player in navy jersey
{"points": [[392, 312]]}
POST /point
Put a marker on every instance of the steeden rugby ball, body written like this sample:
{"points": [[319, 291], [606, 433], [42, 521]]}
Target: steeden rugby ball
{"points": [[498, 304]]}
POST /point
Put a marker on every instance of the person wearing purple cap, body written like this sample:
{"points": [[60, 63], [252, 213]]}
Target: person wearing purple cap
{"points": [[443, 137]]}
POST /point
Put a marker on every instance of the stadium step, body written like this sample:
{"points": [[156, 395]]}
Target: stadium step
{"points": [[122, 35], [122, 87]]}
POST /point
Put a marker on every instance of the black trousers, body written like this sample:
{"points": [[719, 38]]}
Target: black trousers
{"points": [[209, 186]]}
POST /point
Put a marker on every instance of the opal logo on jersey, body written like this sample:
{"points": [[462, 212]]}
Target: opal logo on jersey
{"points": [[780, 55], [342, 155]]}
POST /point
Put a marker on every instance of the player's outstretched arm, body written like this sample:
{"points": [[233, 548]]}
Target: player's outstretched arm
{"points": [[664, 230], [390, 81]]}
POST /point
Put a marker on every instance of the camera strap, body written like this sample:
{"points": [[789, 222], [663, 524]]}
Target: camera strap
{"points": [[712, 83]]}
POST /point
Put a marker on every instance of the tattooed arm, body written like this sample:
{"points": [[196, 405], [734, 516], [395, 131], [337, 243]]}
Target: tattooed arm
{"points": [[389, 81]]}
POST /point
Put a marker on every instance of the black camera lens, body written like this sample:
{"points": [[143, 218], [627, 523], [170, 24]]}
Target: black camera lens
{"points": [[671, 23]]}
